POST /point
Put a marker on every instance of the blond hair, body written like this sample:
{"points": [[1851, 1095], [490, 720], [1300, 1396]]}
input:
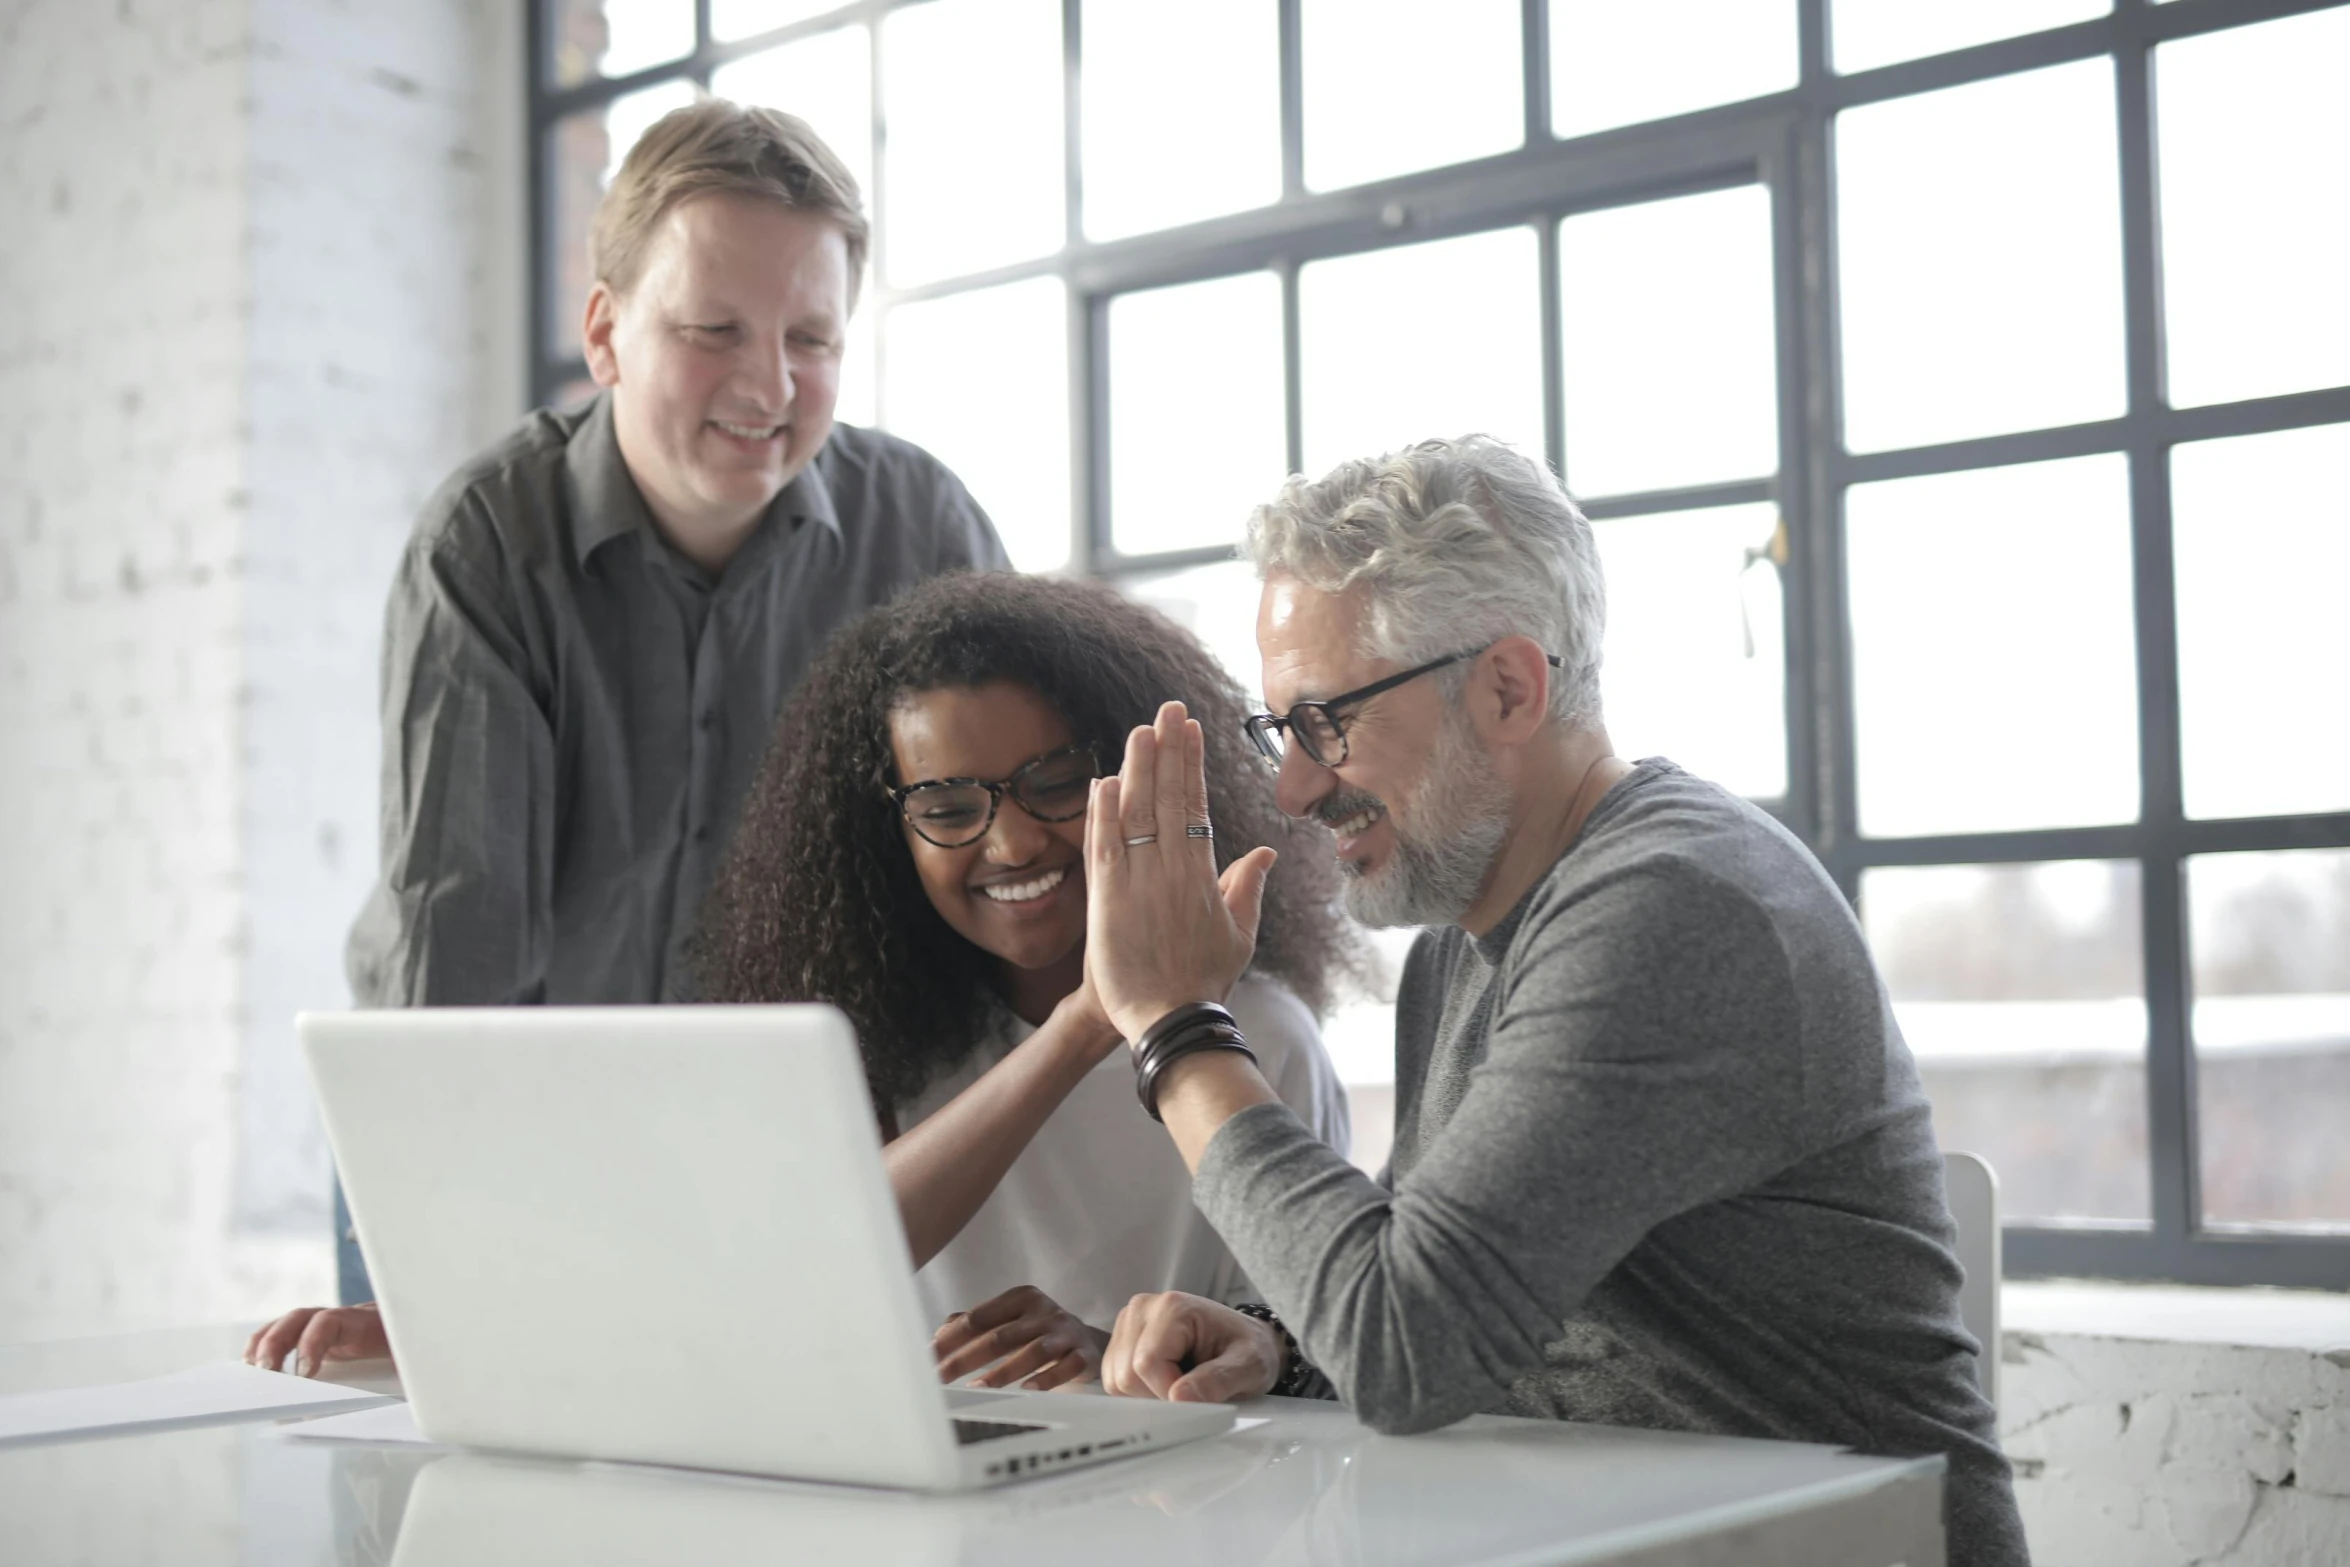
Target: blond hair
{"points": [[716, 147]]}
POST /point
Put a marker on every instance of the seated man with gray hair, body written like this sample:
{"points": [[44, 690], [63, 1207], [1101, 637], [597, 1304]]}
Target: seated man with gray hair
{"points": [[1661, 1155]]}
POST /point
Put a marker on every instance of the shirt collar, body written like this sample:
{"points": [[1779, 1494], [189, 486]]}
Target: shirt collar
{"points": [[808, 498], [605, 500]]}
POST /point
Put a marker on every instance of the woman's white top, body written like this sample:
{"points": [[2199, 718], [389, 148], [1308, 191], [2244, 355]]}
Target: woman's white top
{"points": [[1097, 1209]]}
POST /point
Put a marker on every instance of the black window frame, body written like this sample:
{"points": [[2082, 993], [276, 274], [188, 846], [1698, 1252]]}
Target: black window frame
{"points": [[1784, 142]]}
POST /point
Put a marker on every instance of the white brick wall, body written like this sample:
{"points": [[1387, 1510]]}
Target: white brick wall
{"points": [[254, 298], [2166, 1454], [371, 369]]}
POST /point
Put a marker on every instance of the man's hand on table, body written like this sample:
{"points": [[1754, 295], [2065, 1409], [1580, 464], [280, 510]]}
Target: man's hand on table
{"points": [[315, 1335], [1230, 1355], [1026, 1335]]}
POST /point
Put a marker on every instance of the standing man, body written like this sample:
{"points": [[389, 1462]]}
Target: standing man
{"points": [[597, 619], [1661, 1157]]}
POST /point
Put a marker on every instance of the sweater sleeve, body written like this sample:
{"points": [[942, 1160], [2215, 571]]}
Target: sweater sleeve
{"points": [[1642, 1061], [1288, 1042]]}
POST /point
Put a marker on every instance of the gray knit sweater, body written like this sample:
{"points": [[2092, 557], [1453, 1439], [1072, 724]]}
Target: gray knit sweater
{"points": [[1661, 1159]]}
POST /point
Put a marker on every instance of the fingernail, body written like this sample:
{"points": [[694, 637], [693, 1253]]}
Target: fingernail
{"points": [[303, 1367]]}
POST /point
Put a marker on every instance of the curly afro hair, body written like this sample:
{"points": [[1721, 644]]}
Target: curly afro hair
{"points": [[818, 899]]}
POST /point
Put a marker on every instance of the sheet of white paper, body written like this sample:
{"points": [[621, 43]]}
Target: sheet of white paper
{"points": [[207, 1395], [1250, 1422], [393, 1424]]}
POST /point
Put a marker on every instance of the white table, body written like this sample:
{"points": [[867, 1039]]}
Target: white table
{"points": [[1311, 1486]]}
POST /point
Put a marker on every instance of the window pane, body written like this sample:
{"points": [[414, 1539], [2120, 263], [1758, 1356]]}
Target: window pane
{"points": [[730, 19], [1144, 73], [1993, 647], [1198, 433], [982, 380], [1671, 369], [2271, 939], [1980, 259], [2021, 990], [1391, 87], [1426, 340], [2255, 162], [858, 400], [1868, 33], [1360, 1036], [1695, 660], [1217, 604], [826, 80], [1615, 64], [588, 151], [972, 101], [2261, 532], [594, 38]]}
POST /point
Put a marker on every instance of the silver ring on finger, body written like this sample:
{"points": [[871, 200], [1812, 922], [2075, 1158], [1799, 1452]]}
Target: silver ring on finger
{"points": [[1136, 843], [1199, 830]]}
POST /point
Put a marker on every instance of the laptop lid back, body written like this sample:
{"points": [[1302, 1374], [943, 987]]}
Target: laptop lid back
{"points": [[652, 1233]]}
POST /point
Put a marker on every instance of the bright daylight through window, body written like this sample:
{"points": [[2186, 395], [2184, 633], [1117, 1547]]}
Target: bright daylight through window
{"points": [[1961, 395]]}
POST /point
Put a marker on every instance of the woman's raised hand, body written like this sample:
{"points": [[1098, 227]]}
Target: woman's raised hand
{"points": [[1162, 929], [314, 1335]]}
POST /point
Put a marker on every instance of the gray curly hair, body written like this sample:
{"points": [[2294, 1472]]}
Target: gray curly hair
{"points": [[1457, 544]]}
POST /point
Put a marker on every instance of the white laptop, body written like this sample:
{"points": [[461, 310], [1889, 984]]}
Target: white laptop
{"points": [[665, 1235]]}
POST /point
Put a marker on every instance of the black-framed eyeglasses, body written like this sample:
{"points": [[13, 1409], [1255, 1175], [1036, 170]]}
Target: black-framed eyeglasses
{"points": [[952, 812], [1320, 727]]}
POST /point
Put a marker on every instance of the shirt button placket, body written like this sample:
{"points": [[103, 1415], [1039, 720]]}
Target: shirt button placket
{"points": [[709, 682]]}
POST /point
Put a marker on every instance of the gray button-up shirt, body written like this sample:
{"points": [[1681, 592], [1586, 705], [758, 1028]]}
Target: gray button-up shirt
{"points": [[573, 712]]}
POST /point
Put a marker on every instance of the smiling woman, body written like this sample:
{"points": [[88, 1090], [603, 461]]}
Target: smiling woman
{"points": [[913, 854]]}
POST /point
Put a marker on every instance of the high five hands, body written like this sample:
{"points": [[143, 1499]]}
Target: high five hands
{"points": [[1162, 928]]}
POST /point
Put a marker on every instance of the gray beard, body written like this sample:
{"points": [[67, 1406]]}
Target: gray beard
{"points": [[1441, 862]]}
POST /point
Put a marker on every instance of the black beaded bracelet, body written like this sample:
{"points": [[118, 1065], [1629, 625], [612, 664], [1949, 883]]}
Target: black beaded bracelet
{"points": [[1297, 1376]]}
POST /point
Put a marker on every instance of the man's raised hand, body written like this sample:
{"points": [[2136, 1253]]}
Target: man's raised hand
{"points": [[1162, 928]]}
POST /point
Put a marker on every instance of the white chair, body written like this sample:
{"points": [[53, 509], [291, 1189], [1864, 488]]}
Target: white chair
{"points": [[1973, 1193]]}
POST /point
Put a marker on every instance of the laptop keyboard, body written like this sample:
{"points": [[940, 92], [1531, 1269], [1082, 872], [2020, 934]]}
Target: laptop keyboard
{"points": [[970, 1431]]}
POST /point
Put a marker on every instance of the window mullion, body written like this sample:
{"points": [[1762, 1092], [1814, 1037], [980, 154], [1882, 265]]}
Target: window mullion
{"points": [[1089, 373], [1818, 527], [1293, 100], [1554, 352], [2170, 1065], [1292, 371], [1534, 32]]}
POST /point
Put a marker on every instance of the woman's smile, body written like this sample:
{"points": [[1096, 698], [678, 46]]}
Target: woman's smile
{"points": [[1031, 893]]}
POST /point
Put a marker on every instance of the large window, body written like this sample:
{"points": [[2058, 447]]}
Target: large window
{"points": [[1961, 394]]}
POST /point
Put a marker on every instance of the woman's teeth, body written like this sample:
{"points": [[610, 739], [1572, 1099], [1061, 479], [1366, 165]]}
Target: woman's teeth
{"points": [[1023, 891], [1357, 824], [748, 432]]}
